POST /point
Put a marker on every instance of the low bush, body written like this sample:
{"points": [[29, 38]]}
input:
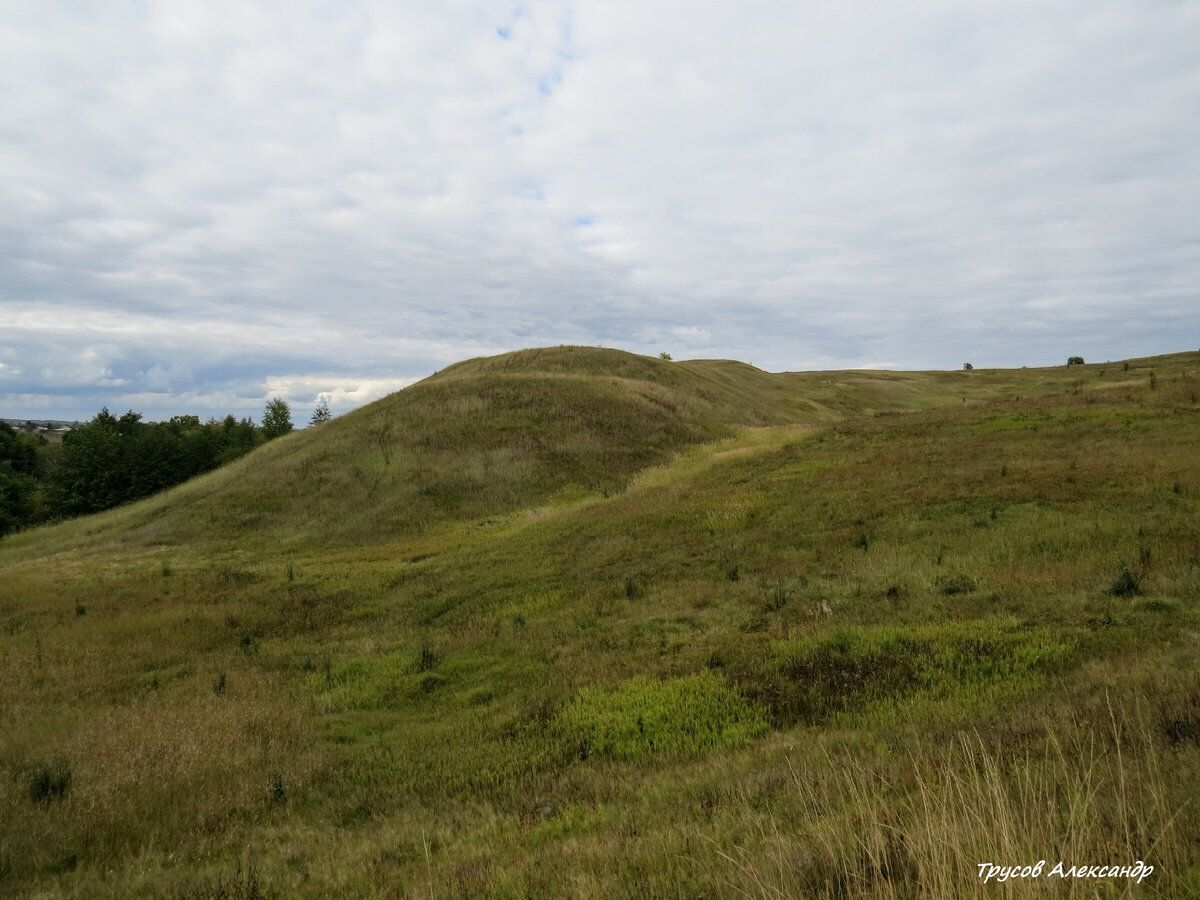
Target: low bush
{"points": [[1127, 584], [50, 781]]}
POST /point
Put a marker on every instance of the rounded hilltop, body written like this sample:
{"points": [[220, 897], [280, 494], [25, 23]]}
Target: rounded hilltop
{"points": [[564, 360]]}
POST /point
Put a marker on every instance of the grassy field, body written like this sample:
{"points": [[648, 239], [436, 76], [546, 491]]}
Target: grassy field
{"points": [[574, 622]]}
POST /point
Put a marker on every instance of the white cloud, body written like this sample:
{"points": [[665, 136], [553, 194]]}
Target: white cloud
{"points": [[691, 334], [208, 194], [342, 393]]}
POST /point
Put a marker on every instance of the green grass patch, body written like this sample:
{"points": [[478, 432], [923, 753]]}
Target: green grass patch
{"points": [[814, 679], [644, 717]]}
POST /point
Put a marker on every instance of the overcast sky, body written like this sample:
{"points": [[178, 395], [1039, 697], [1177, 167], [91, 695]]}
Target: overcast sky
{"points": [[204, 204]]}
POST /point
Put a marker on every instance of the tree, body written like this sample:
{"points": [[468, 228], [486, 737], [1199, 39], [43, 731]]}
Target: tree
{"points": [[20, 494], [1075, 361], [321, 413], [109, 461], [665, 355], [277, 418], [90, 476], [967, 367], [235, 438]]}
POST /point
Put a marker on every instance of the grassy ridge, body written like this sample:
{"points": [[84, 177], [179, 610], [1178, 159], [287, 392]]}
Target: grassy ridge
{"points": [[773, 647], [494, 435]]}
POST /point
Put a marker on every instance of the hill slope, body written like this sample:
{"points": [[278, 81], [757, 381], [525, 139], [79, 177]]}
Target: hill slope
{"points": [[489, 436], [579, 623]]}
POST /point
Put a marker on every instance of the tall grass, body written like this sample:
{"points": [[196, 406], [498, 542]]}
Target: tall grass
{"points": [[923, 825]]}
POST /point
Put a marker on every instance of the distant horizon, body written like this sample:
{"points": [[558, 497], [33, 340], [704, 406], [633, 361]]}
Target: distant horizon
{"points": [[300, 411]]}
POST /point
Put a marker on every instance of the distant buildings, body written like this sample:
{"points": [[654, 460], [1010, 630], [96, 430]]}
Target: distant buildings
{"points": [[51, 431]]}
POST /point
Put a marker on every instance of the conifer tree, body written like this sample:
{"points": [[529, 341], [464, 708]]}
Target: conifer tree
{"points": [[321, 413]]}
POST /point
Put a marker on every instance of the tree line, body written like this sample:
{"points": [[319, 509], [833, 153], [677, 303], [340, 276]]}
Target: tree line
{"points": [[112, 460]]}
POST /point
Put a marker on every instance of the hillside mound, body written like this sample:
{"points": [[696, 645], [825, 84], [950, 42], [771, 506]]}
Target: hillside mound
{"points": [[724, 390], [480, 438]]}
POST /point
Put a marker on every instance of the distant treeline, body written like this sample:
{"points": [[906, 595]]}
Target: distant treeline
{"points": [[113, 460]]}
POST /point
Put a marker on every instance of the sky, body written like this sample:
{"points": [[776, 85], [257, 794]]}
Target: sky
{"points": [[207, 204]]}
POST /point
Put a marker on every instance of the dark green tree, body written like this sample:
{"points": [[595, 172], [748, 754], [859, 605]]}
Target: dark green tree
{"points": [[110, 461], [89, 476], [321, 413], [235, 438], [20, 490], [277, 418]]}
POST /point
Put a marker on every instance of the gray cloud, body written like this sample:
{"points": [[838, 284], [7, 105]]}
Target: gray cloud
{"points": [[206, 204]]}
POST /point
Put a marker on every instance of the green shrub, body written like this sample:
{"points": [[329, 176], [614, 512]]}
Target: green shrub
{"points": [[779, 597], [50, 782], [1127, 584]]}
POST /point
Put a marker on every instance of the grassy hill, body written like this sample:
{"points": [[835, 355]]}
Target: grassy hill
{"points": [[574, 622]]}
